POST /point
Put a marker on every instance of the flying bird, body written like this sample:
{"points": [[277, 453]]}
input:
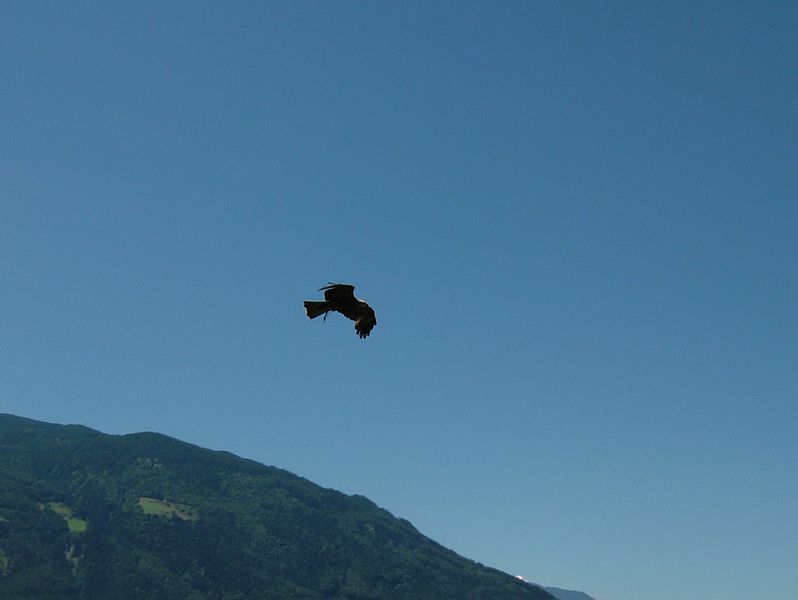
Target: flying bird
{"points": [[340, 297]]}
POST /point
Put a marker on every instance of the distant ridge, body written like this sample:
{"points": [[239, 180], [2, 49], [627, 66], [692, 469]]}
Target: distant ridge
{"points": [[87, 515], [562, 594]]}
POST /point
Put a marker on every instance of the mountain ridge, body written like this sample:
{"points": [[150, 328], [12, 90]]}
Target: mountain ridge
{"points": [[84, 514], [562, 594]]}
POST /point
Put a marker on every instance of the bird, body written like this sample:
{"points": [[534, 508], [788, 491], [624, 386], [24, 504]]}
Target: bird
{"points": [[340, 297]]}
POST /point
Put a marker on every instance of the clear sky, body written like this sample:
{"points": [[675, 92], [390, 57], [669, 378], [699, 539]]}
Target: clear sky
{"points": [[577, 223]]}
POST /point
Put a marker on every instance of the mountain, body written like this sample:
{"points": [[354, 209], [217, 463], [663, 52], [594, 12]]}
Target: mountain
{"points": [[561, 594], [85, 515]]}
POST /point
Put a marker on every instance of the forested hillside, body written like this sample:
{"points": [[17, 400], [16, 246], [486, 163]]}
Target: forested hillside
{"points": [[144, 516]]}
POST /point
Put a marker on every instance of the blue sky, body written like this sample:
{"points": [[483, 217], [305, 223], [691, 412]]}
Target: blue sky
{"points": [[576, 222]]}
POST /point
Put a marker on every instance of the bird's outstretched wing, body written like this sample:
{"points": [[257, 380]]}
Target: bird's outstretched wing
{"points": [[366, 321], [339, 292]]}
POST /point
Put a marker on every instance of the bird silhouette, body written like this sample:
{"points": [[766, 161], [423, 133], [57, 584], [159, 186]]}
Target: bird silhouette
{"points": [[340, 297]]}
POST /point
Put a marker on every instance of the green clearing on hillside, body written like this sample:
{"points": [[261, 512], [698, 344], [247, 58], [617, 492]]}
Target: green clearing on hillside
{"points": [[162, 508], [74, 524]]}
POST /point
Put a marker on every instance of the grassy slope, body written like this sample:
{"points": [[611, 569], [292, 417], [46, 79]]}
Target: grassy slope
{"points": [[162, 508], [74, 524]]}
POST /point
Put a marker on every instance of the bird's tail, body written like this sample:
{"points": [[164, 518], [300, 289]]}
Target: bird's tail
{"points": [[314, 308]]}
